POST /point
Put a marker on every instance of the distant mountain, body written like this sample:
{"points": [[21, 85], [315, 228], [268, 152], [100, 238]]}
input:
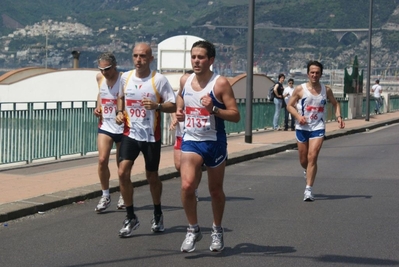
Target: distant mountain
{"points": [[128, 21]]}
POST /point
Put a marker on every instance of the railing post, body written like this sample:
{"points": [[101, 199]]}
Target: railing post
{"points": [[30, 132], [84, 128], [58, 132], [385, 100]]}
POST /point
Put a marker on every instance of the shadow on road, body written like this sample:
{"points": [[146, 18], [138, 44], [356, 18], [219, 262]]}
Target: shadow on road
{"points": [[247, 249], [336, 197], [356, 260]]}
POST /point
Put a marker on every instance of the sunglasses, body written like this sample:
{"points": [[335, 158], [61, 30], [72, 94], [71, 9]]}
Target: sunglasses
{"points": [[106, 68]]}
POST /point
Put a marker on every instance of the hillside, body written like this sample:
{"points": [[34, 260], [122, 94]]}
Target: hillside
{"points": [[117, 24]]}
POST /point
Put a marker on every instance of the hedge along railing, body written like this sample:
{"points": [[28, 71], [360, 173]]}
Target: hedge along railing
{"points": [[40, 130]]}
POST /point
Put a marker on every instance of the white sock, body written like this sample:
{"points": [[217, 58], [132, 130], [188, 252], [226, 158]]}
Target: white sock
{"points": [[217, 228], [308, 188], [106, 193]]}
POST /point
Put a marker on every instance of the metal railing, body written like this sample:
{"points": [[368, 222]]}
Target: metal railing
{"points": [[51, 130], [31, 131]]}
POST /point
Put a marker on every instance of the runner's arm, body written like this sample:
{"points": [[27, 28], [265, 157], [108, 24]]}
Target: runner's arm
{"points": [[223, 88]]}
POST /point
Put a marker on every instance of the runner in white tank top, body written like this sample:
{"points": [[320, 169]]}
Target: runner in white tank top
{"points": [[109, 132], [307, 106], [205, 102], [144, 95]]}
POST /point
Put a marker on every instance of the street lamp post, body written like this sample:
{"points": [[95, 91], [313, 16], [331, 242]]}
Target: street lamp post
{"points": [[45, 63], [250, 69], [369, 62]]}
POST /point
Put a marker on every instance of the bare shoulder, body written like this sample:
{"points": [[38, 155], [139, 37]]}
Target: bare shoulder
{"points": [[99, 76], [184, 78], [298, 89], [223, 83], [329, 91]]}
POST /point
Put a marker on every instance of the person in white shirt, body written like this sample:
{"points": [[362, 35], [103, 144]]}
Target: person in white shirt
{"points": [[287, 94], [307, 105], [143, 95], [109, 132], [206, 101], [377, 90]]}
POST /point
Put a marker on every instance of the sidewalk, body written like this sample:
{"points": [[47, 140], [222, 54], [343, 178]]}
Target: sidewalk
{"points": [[30, 189]]}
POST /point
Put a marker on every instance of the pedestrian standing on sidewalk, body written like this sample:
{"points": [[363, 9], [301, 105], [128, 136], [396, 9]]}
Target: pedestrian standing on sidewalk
{"points": [[278, 101], [206, 101], [306, 105], [143, 95], [377, 90], [179, 128], [109, 132], [287, 94]]}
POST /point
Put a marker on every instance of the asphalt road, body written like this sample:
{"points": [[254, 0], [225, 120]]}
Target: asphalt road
{"points": [[353, 222]]}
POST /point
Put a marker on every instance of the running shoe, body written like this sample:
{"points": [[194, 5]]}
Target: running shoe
{"points": [[121, 203], [157, 224], [191, 238], [196, 195], [129, 225], [308, 197], [103, 204], [217, 244]]}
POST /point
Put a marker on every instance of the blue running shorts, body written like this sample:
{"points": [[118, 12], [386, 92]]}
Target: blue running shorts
{"points": [[213, 153], [304, 136]]}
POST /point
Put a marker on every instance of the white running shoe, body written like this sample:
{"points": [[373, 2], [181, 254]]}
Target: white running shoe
{"points": [[157, 224], [191, 238], [129, 225], [103, 204], [217, 244], [308, 197], [121, 203]]}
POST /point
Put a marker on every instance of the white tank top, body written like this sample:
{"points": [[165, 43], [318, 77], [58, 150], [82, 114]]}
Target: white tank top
{"points": [[142, 124], [312, 108], [199, 124], [108, 98]]}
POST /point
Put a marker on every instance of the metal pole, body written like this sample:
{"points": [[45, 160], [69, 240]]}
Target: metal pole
{"points": [[45, 64], [369, 62], [250, 59]]}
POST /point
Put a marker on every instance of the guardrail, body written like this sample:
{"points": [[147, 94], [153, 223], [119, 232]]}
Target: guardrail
{"points": [[53, 130]]}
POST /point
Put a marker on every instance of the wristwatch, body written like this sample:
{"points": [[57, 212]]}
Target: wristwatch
{"points": [[215, 110], [159, 107]]}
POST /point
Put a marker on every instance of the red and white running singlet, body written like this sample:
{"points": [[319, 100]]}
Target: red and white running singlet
{"points": [[199, 124], [108, 98], [312, 108], [142, 124]]}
